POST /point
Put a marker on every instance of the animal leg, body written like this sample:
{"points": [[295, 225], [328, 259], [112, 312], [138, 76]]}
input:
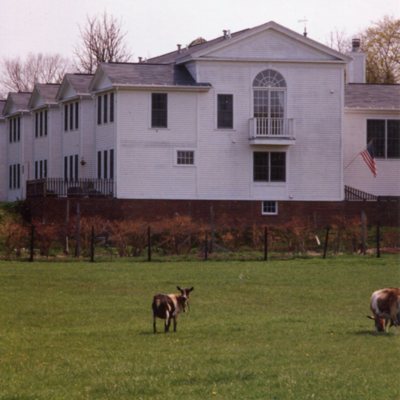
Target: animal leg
{"points": [[167, 322], [175, 323], [154, 324]]}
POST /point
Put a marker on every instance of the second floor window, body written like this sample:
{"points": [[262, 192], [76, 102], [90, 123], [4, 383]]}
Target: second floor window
{"points": [[385, 136], [105, 108], [41, 123], [269, 90], [225, 111], [14, 125], [159, 110], [269, 166], [71, 116]]}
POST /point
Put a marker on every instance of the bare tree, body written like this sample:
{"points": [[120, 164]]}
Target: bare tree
{"points": [[338, 40], [102, 40], [381, 43], [21, 74]]}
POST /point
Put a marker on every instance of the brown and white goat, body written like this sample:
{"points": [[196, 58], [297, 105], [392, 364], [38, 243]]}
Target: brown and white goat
{"points": [[385, 307], [168, 307]]}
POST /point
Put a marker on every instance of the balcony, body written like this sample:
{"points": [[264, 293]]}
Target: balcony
{"points": [[58, 187], [271, 131]]}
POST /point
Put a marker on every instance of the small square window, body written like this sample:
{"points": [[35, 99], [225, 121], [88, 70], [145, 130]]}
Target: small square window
{"points": [[269, 207], [185, 157]]}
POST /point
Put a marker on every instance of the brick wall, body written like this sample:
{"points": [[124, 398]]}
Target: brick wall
{"points": [[318, 213]]}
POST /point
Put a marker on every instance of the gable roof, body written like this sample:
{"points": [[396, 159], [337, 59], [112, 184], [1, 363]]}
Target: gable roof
{"points": [[372, 96], [2, 105], [146, 74], [20, 100], [173, 56], [203, 49], [47, 92], [78, 82]]}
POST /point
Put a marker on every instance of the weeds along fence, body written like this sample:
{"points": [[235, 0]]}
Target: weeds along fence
{"points": [[176, 238]]}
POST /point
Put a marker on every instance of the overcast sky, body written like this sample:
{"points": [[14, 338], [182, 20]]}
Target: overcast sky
{"points": [[155, 26]]}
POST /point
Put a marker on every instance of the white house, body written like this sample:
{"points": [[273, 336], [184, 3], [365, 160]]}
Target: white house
{"points": [[46, 133], [3, 154], [263, 116], [77, 127], [372, 113], [255, 115], [19, 144]]}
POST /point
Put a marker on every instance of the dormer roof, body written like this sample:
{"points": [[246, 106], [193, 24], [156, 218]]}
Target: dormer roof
{"points": [[17, 102], [74, 85], [44, 94], [2, 105]]}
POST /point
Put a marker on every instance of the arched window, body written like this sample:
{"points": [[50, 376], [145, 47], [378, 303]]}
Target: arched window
{"points": [[269, 88]]}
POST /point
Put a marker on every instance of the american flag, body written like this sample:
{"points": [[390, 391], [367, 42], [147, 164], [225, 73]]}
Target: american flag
{"points": [[368, 157]]}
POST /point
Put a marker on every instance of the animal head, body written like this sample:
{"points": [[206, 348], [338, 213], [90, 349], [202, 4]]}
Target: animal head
{"points": [[185, 292], [380, 323], [183, 299]]}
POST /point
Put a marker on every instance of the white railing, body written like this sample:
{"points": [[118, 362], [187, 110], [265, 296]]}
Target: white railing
{"points": [[271, 127]]}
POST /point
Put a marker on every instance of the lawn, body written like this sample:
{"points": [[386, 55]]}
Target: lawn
{"points": [[294, 329]]}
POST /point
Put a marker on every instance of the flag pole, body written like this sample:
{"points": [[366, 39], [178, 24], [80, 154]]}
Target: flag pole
{"points": [[351, 162]]}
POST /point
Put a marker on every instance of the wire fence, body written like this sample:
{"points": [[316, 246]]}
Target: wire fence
{"points": [[180, 238]]}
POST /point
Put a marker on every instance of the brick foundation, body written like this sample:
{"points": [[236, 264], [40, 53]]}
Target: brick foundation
{"points": [[318, 213]]}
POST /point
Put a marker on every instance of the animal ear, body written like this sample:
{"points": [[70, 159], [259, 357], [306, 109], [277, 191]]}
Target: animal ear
{"points": [[192, 288], [179, 289]]}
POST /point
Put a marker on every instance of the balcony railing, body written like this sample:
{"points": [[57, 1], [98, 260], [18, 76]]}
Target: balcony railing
{"points": [[271, 130], [58, 187]]}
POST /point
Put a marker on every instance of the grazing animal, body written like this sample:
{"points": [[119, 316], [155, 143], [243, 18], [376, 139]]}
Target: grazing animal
{"points": [[385, 307], [168, 306]]}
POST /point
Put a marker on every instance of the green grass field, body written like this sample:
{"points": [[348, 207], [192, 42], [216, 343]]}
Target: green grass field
{"points": [[293, 329]]}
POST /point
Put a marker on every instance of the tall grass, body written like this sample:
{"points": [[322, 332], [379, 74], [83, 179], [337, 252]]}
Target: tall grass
{"points": [[293, 329]]}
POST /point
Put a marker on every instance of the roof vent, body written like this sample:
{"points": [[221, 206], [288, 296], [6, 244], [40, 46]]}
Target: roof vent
{"points": [[227, 34], [355, 44]]}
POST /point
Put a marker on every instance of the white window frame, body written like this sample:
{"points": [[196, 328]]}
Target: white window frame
{"points": [[263, 203], [184, 150]]}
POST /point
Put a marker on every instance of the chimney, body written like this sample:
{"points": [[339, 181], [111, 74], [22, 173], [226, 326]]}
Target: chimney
{"points": [[179, 46], [355, 44], [227, 33], [140, 60], [355, 70]]}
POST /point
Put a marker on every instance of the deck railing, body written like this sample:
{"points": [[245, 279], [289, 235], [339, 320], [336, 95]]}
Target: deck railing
{"points": [[271, 127], [58, 187], [353, 194]]}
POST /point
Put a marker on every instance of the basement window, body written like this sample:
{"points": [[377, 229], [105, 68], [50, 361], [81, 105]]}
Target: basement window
{"points": [[269, 207]]}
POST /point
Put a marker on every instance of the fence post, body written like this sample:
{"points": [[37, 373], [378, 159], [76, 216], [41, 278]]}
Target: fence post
{"points": [[92, 245], [206, 248], [364, 232], [326, 241], [78, 231], [378, 239], [265, 243], [66, 244], [148, 243], [31, 245]]}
